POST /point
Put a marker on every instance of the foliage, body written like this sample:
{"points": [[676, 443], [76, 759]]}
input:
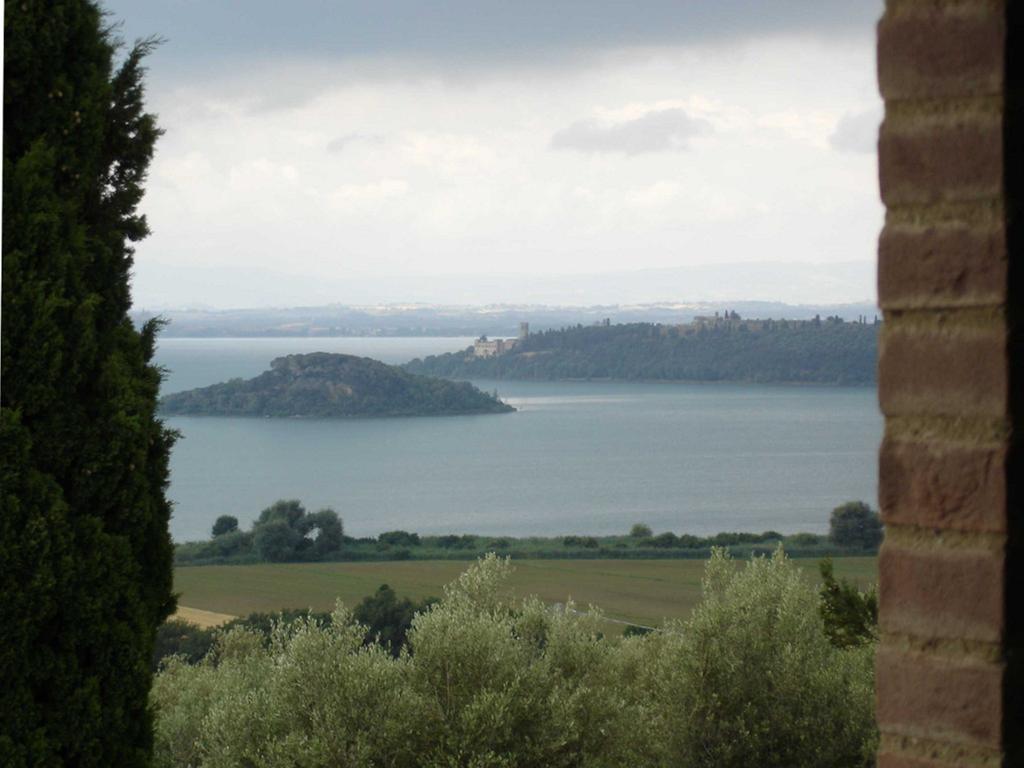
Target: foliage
{"points": [[187, 641], [85, 554], [191, 643], [850, 616], [829, 352], [224, 524], [325, 385], [399, 539], [587, 542], [855, 524], [282, 533], [641, 531], [388, 619], [240, 546], [750, 680]]}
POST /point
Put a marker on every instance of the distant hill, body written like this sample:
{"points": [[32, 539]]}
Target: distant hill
{"points": [[323, 385], [459, 320], [828, 351]]}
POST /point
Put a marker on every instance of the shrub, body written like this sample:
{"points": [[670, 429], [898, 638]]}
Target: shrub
{"points": [[665, 540], [183, 639], [850, 616], [399, 539], [275, 541], [750, 680], [587, 542], [804, 539]]}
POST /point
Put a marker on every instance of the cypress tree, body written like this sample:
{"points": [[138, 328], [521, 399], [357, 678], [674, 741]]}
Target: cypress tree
{"points": [[85, 554]]}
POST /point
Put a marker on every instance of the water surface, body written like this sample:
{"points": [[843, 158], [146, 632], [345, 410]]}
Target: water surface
{"points": [[578, 457]]}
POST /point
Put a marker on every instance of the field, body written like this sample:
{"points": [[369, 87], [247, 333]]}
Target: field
{"points": [[636, 591]]}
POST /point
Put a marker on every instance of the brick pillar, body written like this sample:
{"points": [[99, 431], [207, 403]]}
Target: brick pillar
{"points": [[949, 265]]}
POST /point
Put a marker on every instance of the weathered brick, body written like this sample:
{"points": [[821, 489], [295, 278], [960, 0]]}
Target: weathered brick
{"points": [[943, 265], [937, 593], [958, 487], [924, 161], [958, 700], [943, 370], [932, 52]]}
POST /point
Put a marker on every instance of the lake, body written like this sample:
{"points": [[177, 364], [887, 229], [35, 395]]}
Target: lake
{"points": [[578, 457]]}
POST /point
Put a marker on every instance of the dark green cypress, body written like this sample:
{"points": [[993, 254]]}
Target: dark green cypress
{"points": [[85, 554]]}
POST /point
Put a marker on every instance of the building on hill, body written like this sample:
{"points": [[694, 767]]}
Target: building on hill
{"points": [[484, 347]]}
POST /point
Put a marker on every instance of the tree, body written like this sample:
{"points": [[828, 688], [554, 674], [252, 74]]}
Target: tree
{"points": [[85, 553], [276, 541], [329, 531], [855, 524], [388, 619], [641, 531], [224, 524], [850, 616], [282, 532]]}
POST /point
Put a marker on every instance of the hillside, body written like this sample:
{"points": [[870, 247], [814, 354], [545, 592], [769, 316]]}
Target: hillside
{"points": [[323, 385], [817, 351]]}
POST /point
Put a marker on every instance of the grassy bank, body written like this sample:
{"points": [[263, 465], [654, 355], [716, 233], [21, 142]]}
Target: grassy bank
{"points": [[638, 591]]}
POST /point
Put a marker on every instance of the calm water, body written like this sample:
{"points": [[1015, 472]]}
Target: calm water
{"points": [[578, 457]]}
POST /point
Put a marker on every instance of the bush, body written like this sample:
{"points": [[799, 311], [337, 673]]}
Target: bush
{"points": [[387, 619], [284, 532], [850, 616], [855, 524], [276, 541], [804, 539], [587, 542], [751, 679], [224, 524], [399, 539], [641, 531], [183, 639], [665, 540]]}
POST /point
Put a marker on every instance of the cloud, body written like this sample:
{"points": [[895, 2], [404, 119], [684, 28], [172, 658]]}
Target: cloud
{"points": [[339, 144], [470, 32], [662, 130], [857, 132]]}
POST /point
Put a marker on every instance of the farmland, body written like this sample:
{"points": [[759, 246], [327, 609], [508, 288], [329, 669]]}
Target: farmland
{"points": [[637, 591]]}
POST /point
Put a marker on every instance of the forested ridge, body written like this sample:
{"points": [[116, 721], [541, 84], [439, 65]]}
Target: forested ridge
{"points": [[325, 385], [827, 351]]}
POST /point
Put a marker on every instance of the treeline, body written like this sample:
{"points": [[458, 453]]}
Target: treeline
{"points": [[285, 532], [828, 351], [487, 680]]}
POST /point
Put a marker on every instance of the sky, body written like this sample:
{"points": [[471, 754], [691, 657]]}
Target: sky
{"points": [[396, 151]]}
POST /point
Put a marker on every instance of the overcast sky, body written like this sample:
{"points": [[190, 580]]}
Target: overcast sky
{"points": [[316, 147]]}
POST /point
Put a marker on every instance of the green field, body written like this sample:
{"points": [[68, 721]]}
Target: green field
{"points": [[638, 591]]}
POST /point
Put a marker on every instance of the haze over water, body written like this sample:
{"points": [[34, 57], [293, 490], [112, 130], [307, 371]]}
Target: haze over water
{"points": [[578, 457]]}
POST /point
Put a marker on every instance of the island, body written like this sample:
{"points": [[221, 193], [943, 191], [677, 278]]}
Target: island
{"points": [[722, 347], [322, 385]]}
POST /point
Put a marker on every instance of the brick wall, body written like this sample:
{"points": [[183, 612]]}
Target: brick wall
{"points": [[948, 669]]}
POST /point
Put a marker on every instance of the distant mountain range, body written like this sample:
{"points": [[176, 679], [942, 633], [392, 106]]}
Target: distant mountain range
{"points": [[160, 286], [461, 320]]}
